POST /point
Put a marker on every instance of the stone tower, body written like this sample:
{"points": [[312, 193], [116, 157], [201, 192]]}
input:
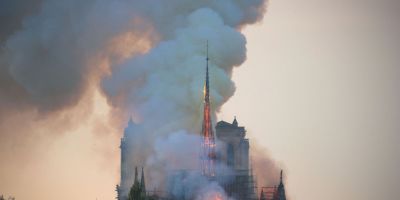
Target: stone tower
{"points": [[234, 150]]}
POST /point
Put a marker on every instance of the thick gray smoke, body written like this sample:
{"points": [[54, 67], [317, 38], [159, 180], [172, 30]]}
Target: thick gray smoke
{"points": [[56, 53], [162, 88], [12, 12], [146, 57], [167, 82], [49, 57]]}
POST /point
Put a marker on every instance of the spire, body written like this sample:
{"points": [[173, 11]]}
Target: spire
{"points": [[262, 195], [142, 184], [130, 122], [207, 84], [136, 176], [281, 189], [235, 123], [208, 143]]}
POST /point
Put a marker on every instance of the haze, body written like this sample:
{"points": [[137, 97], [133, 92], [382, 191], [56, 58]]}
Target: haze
{"points": [[320, 90]]}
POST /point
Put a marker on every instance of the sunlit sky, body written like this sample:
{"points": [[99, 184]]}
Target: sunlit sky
{"points": [[320, 91]]}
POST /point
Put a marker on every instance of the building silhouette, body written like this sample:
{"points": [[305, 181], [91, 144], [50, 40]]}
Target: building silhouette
{"points": [[229, 166]]}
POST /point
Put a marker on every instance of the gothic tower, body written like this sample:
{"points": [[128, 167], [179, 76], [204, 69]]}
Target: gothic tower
{"points": [[234, 147]]}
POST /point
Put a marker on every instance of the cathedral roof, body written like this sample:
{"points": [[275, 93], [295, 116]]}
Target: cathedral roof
{"points": [[224, 124]]}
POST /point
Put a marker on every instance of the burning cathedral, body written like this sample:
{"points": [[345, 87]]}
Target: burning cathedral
{"points": [[224, 161]]}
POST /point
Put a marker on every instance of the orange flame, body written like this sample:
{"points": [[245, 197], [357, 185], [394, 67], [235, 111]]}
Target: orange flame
{"points": [[218, 197]]}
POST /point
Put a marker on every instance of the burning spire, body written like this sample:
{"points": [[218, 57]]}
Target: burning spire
{"points": [[208, 143]]}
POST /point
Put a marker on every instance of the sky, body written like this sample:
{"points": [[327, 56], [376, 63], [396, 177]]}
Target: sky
{"points": [[319, 92]]}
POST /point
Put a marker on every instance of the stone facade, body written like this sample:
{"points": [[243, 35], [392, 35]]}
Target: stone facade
{"points": [[233, 147]]}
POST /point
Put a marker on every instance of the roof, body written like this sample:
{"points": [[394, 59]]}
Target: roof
{"points": [[224, 124]]}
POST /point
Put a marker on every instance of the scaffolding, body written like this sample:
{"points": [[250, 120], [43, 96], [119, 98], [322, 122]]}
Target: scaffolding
{"points": [[239, 185]]}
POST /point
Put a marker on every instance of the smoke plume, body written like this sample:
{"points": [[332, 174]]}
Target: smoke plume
{"points": [[146, 58]]}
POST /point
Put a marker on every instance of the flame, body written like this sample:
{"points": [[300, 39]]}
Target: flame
{"points": [[204, 91], [218, 197]]}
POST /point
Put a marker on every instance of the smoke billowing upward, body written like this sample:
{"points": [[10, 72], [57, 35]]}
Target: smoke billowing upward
{"points": [[55, 53], [146, 57]]}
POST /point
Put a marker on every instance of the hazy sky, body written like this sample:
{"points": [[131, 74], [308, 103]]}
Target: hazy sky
{"points": [[320, 90]]}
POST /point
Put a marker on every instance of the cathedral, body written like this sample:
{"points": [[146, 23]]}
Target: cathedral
{"points": [[234, 153], [228, 147]]}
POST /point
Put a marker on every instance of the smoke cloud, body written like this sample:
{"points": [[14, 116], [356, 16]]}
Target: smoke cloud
{"points": [[164, 96], [146, 58], [12, 12], [56, 51]]}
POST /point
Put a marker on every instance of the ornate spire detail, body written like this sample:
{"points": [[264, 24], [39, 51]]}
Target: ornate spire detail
{"points": [[207, 84], [208, 145], [235, 123]]}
